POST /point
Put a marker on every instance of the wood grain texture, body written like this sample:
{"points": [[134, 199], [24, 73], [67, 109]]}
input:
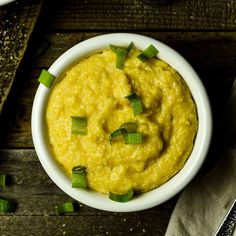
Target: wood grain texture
{"points": [[115, 225], [17, 21], [145, 15], [212, 54]]}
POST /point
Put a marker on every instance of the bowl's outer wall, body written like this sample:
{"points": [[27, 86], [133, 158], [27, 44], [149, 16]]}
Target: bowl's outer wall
{"points": [[176, 183]]}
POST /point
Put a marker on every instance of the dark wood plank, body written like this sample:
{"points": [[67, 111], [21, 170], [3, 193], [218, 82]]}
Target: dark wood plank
{"points": [[115, 225], [212, 54], [17, 21], [143, 15]]}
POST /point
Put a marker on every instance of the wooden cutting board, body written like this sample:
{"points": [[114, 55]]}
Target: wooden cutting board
{"points": [[17, 21]]}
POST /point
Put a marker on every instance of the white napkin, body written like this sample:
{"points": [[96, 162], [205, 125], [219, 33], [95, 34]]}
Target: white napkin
{"points": [[203, 205]]}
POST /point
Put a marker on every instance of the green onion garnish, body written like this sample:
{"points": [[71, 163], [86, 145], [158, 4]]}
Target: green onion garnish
{"points": [[117, 133], [66, 207], [79, 177], [148, 53], [133, 138], [120, 58], [129, 127], [46, 78], [79, 125], [121, 54], [2, 180], [6, 206], [116, 48], [136, 103], [121, 198]]}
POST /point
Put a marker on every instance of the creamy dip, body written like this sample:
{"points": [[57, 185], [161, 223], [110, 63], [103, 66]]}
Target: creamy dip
{"points": [[95, 88]]}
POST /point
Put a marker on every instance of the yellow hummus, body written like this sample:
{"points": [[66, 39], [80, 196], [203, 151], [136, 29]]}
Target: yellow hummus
{"points": [[95, 88]]}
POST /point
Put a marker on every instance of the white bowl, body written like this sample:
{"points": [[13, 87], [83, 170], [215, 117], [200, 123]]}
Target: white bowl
{"points": [[4, 2], [165, 191]]}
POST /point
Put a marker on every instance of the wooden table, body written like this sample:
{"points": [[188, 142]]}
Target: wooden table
{"points": [[204, 32]]}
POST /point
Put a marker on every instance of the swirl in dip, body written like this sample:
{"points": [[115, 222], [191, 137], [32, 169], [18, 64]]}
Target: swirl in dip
{"points": [[96, 89]]}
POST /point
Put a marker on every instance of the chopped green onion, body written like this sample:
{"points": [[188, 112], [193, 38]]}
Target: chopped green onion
{"points": [[148, 53], [79, 177], [79, 125], [128, 49], [136, 103], [2, 180], [116, 133], [133, 138], [127, 127], [121, 198], [66, 207], [6, 206], [116, 48], [120, 58], [130, 127], [121, 54], [46, 78]]}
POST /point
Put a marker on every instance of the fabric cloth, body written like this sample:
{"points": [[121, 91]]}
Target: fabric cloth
{"points": [[204, 204]]}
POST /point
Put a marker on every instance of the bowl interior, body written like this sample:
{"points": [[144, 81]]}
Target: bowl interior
{"points": [[171, 187]]}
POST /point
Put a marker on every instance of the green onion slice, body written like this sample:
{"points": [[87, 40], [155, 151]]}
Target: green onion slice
{"points": [[133, 138], [130, 127], [121, 198], [120, 58], [121, 54], [136, 103], [148, 53], [2, 180], [6, 206], [128, 49], [116, 133], [46, 78], [116, 48], [66, 207], [79, 177], [79, 125]]}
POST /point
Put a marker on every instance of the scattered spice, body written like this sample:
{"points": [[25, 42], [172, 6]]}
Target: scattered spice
{"points": [[14, 33]]}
